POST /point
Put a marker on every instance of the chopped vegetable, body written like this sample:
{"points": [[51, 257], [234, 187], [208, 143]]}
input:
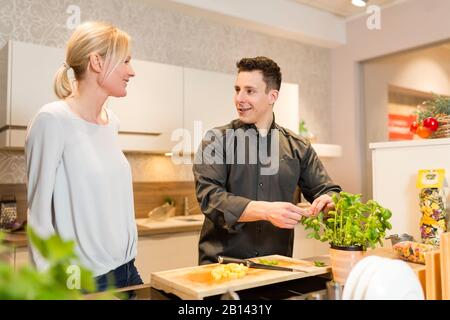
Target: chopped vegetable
{"points": [[229, 271], [319, 264], [268, 262]]}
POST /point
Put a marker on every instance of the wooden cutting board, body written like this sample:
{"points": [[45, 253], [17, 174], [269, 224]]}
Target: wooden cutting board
{"points": [[196, 283]]}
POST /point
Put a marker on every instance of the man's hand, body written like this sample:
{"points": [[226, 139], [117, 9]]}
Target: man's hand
{"points": [[323, 203], [281, 214]]}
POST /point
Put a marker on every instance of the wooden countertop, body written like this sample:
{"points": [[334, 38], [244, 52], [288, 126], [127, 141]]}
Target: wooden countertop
{"points": [[19, 239], [16, 239], [171, 225]]}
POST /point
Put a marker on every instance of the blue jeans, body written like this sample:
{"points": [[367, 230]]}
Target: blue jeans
{"points": [[123, 276]]}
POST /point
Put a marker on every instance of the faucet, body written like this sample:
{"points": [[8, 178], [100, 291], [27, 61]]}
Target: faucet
{"points": [[186, 206], [187, 210]]}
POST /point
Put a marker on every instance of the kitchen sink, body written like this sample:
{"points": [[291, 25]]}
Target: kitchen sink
{"points": [[190, 218]]}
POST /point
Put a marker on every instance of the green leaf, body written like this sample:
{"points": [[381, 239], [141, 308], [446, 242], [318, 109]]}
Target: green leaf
{"points": [[352, 222]]}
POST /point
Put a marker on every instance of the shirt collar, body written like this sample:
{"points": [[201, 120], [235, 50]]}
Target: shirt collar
{"points": [[247, 126]]}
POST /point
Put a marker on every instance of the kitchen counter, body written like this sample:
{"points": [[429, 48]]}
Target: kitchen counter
{"points": [[175, 224], [17, 239]]}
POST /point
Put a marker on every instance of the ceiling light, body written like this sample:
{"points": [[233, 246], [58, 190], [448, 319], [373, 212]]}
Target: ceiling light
{"points": [[359, 3]]}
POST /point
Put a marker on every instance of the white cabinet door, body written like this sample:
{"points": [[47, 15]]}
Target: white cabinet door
{"points": [[165, 252], [153, 105], [286, 108], [28, 71], [33, 69], [208, 100]]}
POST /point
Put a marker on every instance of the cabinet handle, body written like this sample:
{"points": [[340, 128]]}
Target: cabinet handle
{"points": [[141, 133]]}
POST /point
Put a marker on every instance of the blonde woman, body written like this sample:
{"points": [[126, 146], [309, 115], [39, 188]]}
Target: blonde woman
{"points": [[79, 181]]}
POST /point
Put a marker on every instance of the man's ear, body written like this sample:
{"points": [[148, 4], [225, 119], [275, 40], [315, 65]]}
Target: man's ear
{"points": [[273, 96], [96, 62]]}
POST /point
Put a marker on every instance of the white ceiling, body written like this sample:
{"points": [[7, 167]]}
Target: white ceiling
{"points": [[342, 8]]}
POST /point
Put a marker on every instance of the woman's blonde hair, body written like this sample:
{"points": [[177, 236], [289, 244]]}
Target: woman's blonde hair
{"points": [[106, 40]]}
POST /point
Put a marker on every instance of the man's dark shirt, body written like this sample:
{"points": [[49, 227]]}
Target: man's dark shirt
{"points": [[224, 190]]}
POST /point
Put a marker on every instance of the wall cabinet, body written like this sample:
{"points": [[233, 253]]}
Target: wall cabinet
{"points": [[27, 72], [161, 99], [209, 102], [148, 115], [152, 109]]}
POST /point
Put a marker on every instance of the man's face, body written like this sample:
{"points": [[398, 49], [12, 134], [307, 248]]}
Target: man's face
{"points": [[252, 102]]}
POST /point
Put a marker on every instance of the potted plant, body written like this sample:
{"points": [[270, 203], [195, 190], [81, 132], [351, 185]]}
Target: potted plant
{"points": [[433, 118], [351, 228]]}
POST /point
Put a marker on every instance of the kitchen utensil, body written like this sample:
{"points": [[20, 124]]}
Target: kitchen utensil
{"points": [[334, 290], [251, 264], [395, 238]]}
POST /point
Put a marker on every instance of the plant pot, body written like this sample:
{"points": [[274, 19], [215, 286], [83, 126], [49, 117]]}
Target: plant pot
{"points": [[343, 259]]}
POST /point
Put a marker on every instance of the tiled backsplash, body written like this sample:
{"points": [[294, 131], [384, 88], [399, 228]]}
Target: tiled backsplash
{"points": [[144, 167]]}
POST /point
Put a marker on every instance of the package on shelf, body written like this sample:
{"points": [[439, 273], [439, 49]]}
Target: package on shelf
{"points": [[432, 205]]}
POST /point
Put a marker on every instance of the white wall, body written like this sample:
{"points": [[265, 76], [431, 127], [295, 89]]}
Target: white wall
{"points": [[408, 25], [425, 70]]}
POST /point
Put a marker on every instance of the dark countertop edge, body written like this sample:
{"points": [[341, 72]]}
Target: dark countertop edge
{"points": [[19, 239]]}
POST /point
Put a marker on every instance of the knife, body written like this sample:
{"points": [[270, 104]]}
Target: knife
{"points": [[251, 264]]}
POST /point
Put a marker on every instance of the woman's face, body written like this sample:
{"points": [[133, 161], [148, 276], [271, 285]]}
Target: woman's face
{"points": [[116, 82]]}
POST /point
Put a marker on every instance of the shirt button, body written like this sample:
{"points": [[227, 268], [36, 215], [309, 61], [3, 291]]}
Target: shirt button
{"points": [[256, 253], [261, 184]]}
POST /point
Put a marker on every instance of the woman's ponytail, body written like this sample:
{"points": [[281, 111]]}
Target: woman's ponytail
{"points": [[62, 85]]}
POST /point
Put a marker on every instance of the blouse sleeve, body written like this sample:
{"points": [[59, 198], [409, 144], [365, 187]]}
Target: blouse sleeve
{"points": [[43, 151]]}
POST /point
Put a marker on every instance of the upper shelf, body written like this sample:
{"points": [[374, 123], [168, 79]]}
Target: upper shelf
{"points": [[327, 150], [409, 143]]}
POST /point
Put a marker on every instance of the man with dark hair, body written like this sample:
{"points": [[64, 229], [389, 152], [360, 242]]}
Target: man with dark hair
{"points": [[246, 174]]}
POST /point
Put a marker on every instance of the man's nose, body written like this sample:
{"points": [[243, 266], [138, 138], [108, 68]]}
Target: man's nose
{"points": [[239, 96]]}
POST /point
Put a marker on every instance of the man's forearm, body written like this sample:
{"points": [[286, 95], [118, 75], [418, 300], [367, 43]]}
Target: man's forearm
{"points": [[254, 211]]}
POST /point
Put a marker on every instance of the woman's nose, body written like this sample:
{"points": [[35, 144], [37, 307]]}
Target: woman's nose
{"points": [[131, 72]]}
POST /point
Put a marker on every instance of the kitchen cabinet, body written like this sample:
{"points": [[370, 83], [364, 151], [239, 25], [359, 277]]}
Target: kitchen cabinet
{"points": [[152, 109], [160, 99], [27, 84], [209, 102], [165, 252], [395, 166], [148, 114], [16, 257], [286, 109]]}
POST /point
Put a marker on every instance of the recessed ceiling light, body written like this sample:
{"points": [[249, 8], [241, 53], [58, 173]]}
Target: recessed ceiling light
{"points": [[359, 3]]}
